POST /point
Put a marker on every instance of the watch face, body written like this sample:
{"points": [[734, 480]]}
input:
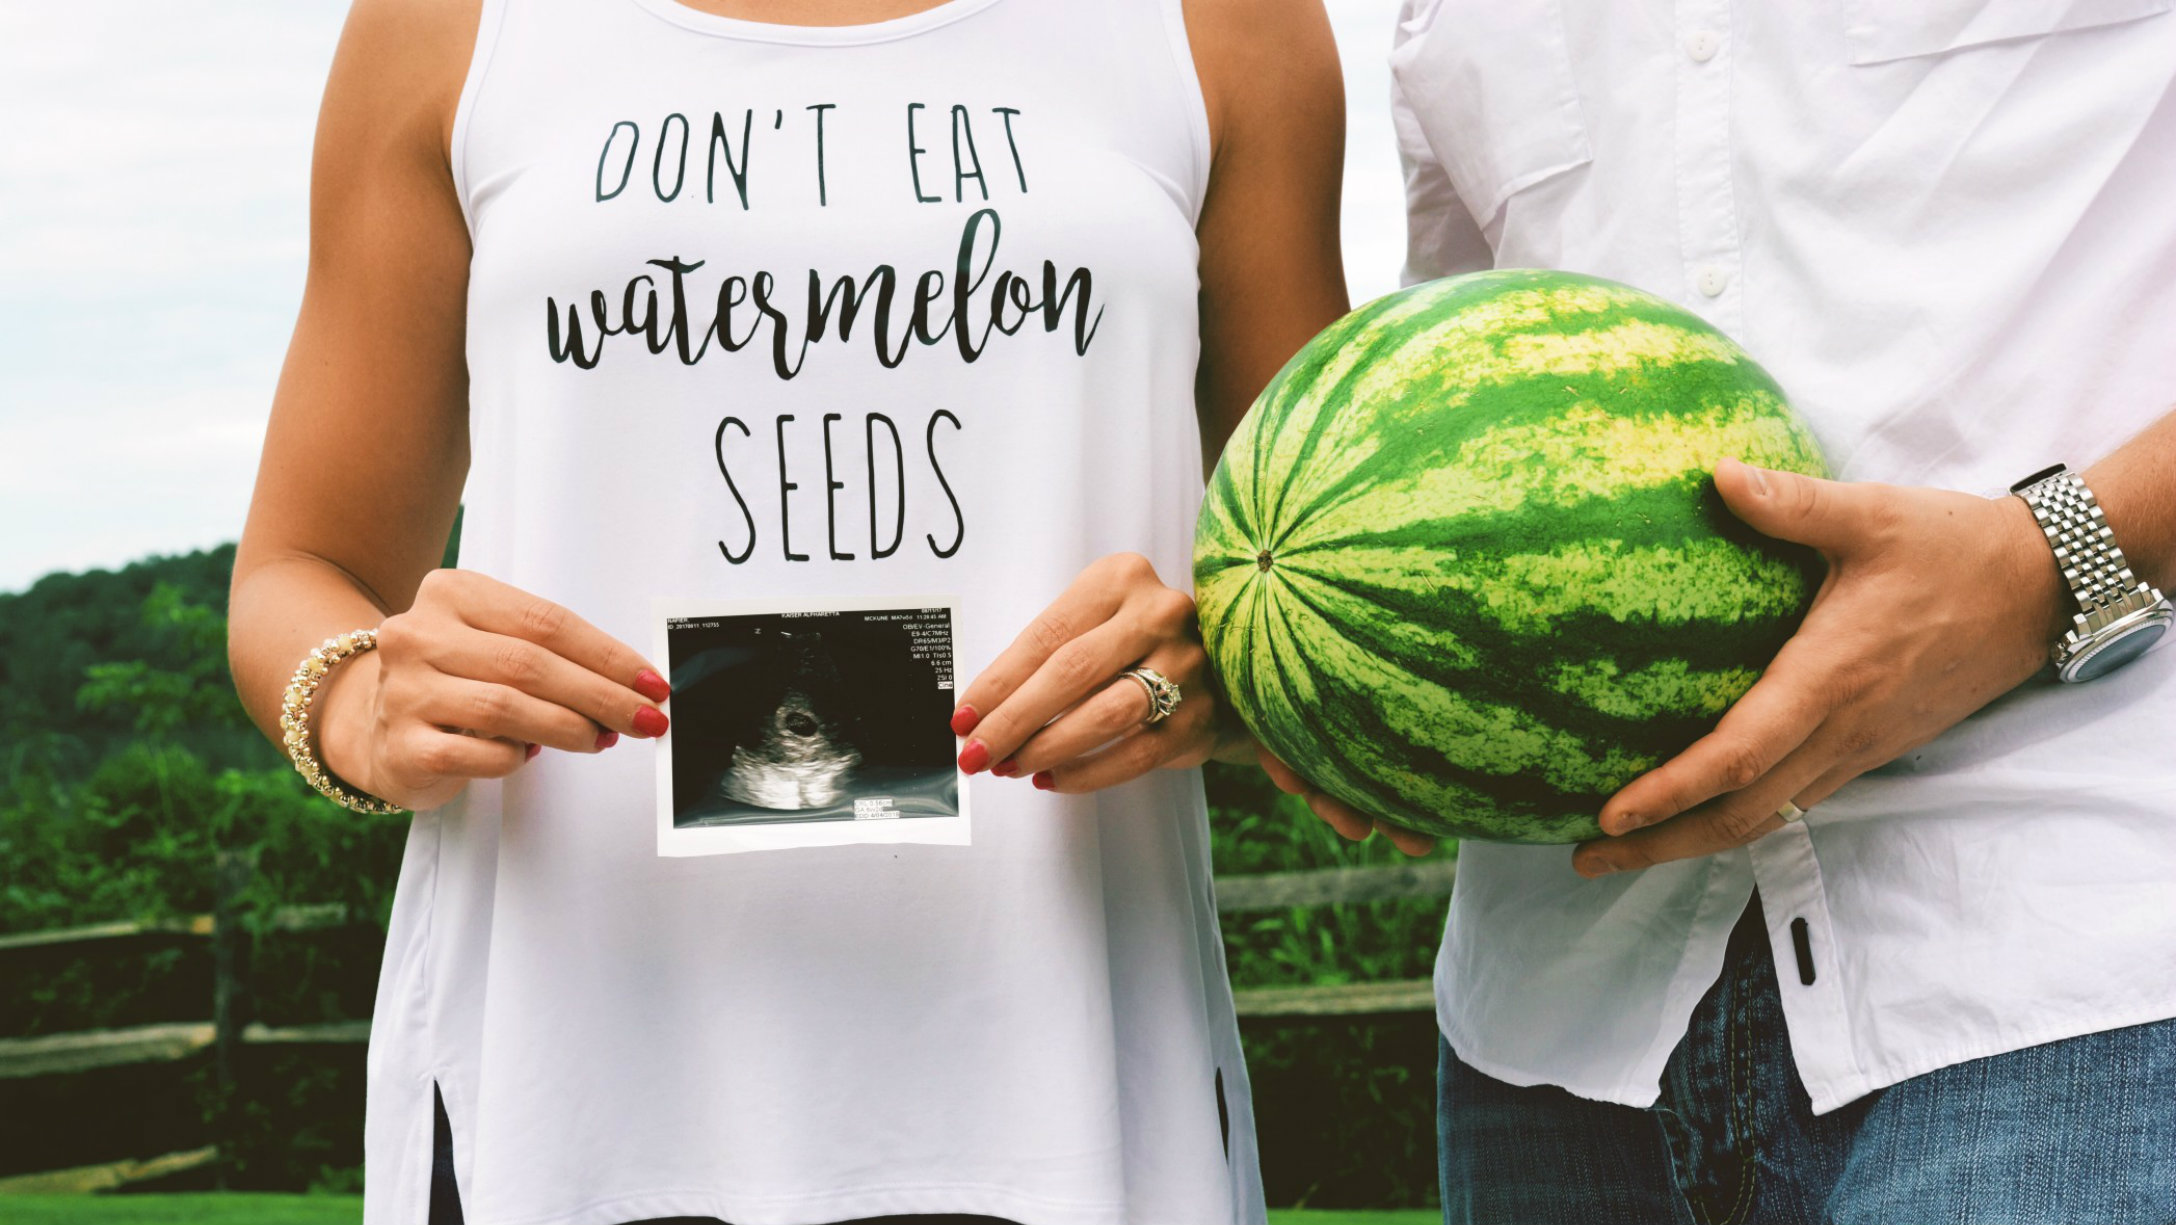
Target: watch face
{"points": [[2114, 653]]}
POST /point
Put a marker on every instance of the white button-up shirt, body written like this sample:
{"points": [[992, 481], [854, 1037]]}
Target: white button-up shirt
{"points": [[1948, 228]]}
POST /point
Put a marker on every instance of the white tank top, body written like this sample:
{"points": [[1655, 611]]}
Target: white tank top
{"points": [[1035, 1027]]}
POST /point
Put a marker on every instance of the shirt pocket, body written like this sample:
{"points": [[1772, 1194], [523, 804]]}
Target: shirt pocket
{"points": [[1879, 31], [1490, 85]]}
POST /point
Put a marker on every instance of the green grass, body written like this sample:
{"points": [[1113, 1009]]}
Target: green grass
{"points": [[208, 1209], [202, 1209]]}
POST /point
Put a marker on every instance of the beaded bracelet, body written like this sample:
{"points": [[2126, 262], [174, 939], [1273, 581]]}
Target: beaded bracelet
{"points": [[295, 720]]}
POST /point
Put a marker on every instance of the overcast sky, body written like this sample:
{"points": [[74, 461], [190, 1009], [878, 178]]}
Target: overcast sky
{"points": [[154, 176]]}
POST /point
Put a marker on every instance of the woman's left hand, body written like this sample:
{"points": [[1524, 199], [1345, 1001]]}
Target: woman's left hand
{"points": [[1055, 705]]}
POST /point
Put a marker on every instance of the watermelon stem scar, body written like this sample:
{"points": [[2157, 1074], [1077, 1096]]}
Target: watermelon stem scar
{"points": [[1264, 560]]}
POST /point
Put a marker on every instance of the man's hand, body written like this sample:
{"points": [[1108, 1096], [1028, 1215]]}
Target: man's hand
{"points": [[1935, 604]]}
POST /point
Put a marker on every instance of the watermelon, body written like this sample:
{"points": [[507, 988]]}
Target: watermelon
{"points": [[1463, 564]]}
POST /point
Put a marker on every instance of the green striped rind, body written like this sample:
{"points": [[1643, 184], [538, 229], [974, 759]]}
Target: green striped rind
{"points": [[1500, 584]]}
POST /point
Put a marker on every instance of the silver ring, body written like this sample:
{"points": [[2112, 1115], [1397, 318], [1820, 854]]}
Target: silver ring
{"points": [[1790, 812], [1163, 695]]}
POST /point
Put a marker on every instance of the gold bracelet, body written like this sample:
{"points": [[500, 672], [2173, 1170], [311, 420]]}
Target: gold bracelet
{"points": [[295, 720]]}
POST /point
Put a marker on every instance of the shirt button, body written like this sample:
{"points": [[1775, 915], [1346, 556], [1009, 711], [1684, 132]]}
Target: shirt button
{"points": [[1712, 280], [1702, 45]]}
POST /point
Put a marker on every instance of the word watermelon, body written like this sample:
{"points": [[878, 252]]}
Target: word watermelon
{"points": [[1463, 565]]}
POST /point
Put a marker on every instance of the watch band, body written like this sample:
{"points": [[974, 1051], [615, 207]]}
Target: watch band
{"points": [[2119, 616], [2093, 567]]}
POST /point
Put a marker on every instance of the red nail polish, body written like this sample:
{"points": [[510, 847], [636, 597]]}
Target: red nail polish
{"points": [[529, 754], [1043, 781], [964, 720], [1005, 768], [607, 738], [975, 756], [651, 722], [652, 686]]}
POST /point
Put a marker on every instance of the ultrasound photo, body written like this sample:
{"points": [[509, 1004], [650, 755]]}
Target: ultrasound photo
{"points": [[809, 726]]}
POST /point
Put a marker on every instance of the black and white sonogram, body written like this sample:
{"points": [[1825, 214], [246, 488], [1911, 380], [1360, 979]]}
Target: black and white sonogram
{"points": [[811, 716]]}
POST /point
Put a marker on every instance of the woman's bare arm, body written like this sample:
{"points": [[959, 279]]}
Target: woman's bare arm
{"points": [[1272, 274], [367, 448], [368, 443]]}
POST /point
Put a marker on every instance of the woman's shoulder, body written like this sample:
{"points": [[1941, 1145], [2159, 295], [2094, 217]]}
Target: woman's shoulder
{"points": [[400, 68]]}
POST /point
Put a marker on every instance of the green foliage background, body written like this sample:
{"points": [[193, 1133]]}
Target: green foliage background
{"points": [[126, 764]]}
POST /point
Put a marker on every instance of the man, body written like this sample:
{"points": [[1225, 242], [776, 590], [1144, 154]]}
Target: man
{"points": [[1945, 991]]}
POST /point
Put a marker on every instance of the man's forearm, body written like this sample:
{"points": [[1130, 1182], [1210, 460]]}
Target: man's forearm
{"points": [[2136, 487]]}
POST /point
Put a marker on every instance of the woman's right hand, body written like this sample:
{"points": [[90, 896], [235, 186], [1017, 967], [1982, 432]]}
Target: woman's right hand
{"points": [[468, 682], [1349, 822]]}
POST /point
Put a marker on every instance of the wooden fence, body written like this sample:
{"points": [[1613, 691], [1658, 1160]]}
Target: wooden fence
{"points": [[229, 1029]]}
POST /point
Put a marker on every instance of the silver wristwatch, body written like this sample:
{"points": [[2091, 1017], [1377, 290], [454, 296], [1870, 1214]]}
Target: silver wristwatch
{"points": [[2118, 616]]}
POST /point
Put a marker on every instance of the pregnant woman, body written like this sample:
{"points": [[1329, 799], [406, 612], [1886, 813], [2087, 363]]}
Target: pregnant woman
{"points": [[785, 300]]}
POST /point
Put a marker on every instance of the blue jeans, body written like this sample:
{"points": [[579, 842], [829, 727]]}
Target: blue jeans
{"points": [[2081, 1130]]}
